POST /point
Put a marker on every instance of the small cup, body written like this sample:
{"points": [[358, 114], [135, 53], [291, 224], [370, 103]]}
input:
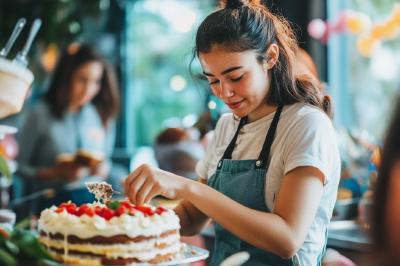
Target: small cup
{"points": [[15, 81]]}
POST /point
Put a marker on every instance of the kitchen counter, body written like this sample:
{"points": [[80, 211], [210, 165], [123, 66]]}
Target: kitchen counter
{"points": [[348, 235]]}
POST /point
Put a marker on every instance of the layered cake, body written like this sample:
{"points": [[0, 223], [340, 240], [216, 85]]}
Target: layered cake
{"points": [[116, 233]]}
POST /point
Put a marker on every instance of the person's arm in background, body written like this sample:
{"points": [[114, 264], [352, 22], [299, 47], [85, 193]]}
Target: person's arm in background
{"points": [[28, 138], [29, 141], [103, 169]]}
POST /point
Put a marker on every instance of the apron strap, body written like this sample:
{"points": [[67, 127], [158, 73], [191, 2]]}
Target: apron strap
{"points": [[231, 146], [266, 149], [264, 154]]}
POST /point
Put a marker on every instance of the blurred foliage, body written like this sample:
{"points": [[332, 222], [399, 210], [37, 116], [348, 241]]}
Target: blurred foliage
{"points": [[62, 20], [20, 247], [4, 169]]}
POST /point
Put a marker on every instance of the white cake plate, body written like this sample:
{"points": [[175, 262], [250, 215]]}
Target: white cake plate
{"points": [[7, 130], [191, 254]]}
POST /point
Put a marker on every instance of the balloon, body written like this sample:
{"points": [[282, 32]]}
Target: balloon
{"points": [[396, 15], [367, 45], [357, 23], [391, 30], [317, 28]]}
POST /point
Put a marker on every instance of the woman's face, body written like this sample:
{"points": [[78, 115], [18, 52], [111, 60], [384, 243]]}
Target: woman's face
{"points": [[238, 79], [85, 84]]}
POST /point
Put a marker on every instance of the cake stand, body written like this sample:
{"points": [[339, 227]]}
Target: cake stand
{"points": [[190, 254]]}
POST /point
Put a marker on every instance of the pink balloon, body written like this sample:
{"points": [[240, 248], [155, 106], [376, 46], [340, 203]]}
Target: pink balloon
{"points": [[341, 24], [317, 28]]}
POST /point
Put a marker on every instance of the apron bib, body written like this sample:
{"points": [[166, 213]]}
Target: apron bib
{"points": [[244, 182]]}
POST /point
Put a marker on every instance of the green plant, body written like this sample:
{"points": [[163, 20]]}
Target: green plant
{"points": [[21, 247], [4, 169]]}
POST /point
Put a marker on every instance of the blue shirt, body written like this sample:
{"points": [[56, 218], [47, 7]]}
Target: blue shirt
{"points": [[43, 137]]}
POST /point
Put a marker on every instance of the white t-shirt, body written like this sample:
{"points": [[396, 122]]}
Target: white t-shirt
{"points": [[305, 137]]}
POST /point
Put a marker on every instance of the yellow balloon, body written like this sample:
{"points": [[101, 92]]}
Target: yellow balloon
{"points": [[391, 30], [366, 45], [396, 15], [378, 31], [355, 25]]}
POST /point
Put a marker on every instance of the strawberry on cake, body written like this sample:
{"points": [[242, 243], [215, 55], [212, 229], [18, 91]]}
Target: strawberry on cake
{"points": [[116, 233]]}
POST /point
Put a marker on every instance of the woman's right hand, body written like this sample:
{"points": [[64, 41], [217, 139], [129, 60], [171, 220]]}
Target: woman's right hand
{"points": [[146, 182]]}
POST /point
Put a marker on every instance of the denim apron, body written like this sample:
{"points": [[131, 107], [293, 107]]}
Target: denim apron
{"points": [[244, 182]]}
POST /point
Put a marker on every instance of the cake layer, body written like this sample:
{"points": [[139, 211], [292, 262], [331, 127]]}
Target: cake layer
{"points": [[155, 255], [93, 261], [101, 240], [113, 250]]}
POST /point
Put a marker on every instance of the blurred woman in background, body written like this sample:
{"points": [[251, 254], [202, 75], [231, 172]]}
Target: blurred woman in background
{"points": [[76, 113]]}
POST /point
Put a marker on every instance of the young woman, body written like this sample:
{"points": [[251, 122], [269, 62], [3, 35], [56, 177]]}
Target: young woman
{"points": [[273, 166], [77, 112]]}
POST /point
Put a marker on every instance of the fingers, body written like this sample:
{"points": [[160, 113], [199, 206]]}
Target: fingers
{"points": [[138, 184], [131, 177], [145, 190], [155, 191], [134, 187]]}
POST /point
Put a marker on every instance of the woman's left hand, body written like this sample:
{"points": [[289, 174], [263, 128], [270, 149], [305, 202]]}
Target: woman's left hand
{"points": [[146, 182]]}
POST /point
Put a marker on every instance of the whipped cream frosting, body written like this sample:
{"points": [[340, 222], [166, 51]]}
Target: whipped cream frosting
{"points": [[85, 226]]}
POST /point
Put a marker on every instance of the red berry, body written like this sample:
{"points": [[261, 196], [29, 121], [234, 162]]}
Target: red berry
{"points": [[131, 211], [107, 213], [82, 209], [72, 209], [84, 206], [120, 210], [59, 210], [145, 209], [64, 205], [97, 210], [160, 210], [126, 204], [89, 212]]}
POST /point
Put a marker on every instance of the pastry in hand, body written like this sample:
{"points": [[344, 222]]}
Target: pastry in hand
{"points": [[88, 158], [65, 159]]}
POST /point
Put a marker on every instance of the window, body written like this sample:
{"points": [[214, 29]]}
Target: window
{"points": [[363, 88], [160, 90]]}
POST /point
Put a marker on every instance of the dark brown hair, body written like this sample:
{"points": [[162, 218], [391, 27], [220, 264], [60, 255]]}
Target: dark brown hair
{"points": [[58, 93], [390, 155], [172, 135], [249, 25]]}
